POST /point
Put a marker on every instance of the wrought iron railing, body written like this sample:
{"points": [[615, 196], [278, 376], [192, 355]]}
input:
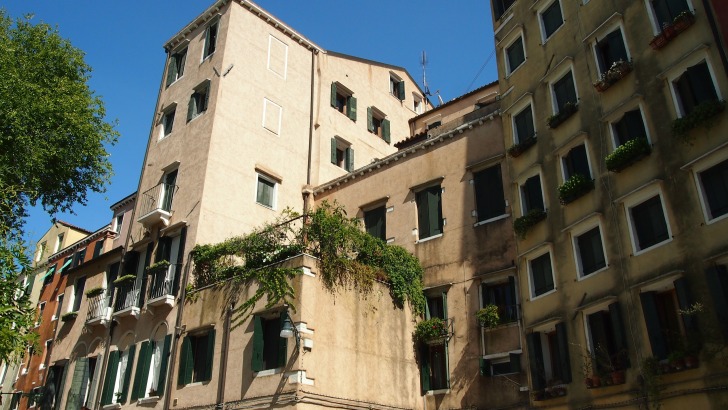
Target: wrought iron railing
{"points": [[157, 198], [127, 295], [97, 306], [162, 282]]}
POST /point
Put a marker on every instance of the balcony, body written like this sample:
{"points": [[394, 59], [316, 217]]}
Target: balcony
{"points": [[161, 288], [127, 299], [156, 205], [99, 311]]}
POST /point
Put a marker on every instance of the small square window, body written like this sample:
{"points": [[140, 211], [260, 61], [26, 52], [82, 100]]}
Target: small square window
{"points": [[551, 19], [343, 100], [489, 196], [266, 191], [564, 91], [377, 124], [342, 155], [396, 87], [167, 122], [417, 105], [375, 222], [433, 125], [196, 360], [542, 278], [589, 252], [198, 101], [429, 212], [523, 125], [714, 188], [210, 39], [576, 162], [648, 222], [515, 55], [176, 66]]}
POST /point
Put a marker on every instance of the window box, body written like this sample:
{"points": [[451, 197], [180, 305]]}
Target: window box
{"points": [[700, 115], [549, 393], [627, 154], [575, 187], [518, 149], [432, 331], [567, 111], [616, 72], [670, 31], [125, 280], [523, 224], [69, 316], [158, 267]]}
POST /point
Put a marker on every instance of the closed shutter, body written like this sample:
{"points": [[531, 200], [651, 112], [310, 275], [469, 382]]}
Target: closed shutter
{"points": [[351, 107], [563, 346], [685, 302], [282, 344], [535, 361], [334, 145], [186, 363], [191, 107], [258, 344], [142, 372], [333, 95], [620, 337], [163, 365], [180, 259], [375, 222], [516, 55], [435, 214], [145, 274], [717, 279], [210, 355], [349, 159], [370, 120], [95, 380], [424, 368], [524, 125], [78, 384], [400, 90], [489, 196], [127, 374], [111, 369], [485, 367], [652, 322], [386, 131], [171, 69]]}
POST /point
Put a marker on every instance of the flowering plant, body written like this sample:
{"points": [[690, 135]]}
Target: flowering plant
{"points": [[430, 329]]}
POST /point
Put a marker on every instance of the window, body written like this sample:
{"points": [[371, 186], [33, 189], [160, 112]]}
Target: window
{"points": [[548, 356], [589, 251], [41, 308], [434, 372], [342, 155], [606, 337], [541, 275], [575, 162], [396, 87], [169, 187], [48, 277], [118, 223], [666, 327], [375, 222], [693, 87], [118, 376], [59, 306], [79, 257], [610, 49], [46, 354], [266, 191], [629, 127], [78, 293], [151, 372], [269, 348], [377, 124], [665, 11], [564, 92], [523, 127], [176, 66], [713, 184], [66, 263], [59, 243], [551, 19], [277, 56], [500, 7], [210, 39], [343, 100], [198, 101], [648, 223], [531, 196], [41, 251], [417, 104], [502, 295], [167, 122], [434, 124], [429, 212], [85, 379], [509, 364], [515, 55], [98, 248], [196, 360], [489, 196]]}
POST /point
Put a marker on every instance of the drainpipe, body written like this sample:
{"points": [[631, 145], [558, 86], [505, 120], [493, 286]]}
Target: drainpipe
{"points": [[104, 362], [709, 13], [224, 357], [177, 332], [307, 191]]}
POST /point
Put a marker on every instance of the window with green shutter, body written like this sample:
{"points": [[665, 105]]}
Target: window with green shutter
{"points": [[693, 87], [198, 100], [575, 162], [210, 39], [515, 55], [343, 100], [176, 66], [396, 87], [270, 350], [429, 212], [377, 124], [342, 155], [548, 357], [196, 358], [564, 91], [660, 309], [375, 222]]}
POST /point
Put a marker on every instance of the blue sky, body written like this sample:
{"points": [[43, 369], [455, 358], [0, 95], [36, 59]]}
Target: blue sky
{"points": [[123, 44]]}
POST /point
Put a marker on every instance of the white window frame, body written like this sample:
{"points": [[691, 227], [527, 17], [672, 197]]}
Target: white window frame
{"points": [[271, 39], [656, 28], [59, 307], [212, 22], [118, 222], [631, 105], [274, 129], [557, 76], [580, 229], [508, 40], [41, 308], [172, 108], [636, 198], [267, 178], [417, 104], [564, 151], [694, 58], [701, 164], [394, 79], [522, 181], [535, 254], [518, 107], [612, 24], [59, 242], [542, 28]]}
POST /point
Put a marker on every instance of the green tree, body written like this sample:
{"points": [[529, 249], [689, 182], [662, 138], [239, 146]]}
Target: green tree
{"points": [[53, 139]]}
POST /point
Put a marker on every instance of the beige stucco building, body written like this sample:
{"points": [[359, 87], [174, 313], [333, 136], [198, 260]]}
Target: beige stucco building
{"points": [[618, 162]]}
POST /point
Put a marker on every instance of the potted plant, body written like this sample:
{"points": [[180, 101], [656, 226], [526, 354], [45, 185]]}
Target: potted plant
{"points": [[67, 317], [614, 73], [126, 279], [702, 115], [94, 292], [566, 111], [518, 149], [676, 359], [488, 316], [574, 187], [627, 154], [158, 267], [431, 331], [683, 21], [523, 224]]}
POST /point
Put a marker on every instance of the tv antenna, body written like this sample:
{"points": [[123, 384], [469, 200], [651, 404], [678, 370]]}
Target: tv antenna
{"points": [[423, 62]]}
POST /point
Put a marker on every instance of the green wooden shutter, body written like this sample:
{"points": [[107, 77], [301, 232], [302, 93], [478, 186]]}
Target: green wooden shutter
{"points": [[142, 372], [485, 367], [435, 210], [111, 369], [205, 98], [191, 107], [515, 359], [535, 361], [207, 41], [424, 368], [444, 305], [171, 69], [210, 355], [95, 379], [562, 340], [78, 384], [351, 107], [333, 94], [620, 338], [400, 90], [180, 259], [163, 365], [385, 131], [145, 275], [283, 344], [370, 120], [127, 374], [423, 225], [652, 322], [29, 286], [186, 363], [350, 159], [258, 343], [334, 145], [684, 301], [716, 279]]}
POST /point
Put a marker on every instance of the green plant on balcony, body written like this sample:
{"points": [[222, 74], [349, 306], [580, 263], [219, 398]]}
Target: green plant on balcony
{"points": [[94, 292], [67, 317], [523, 224], [702, 115], [158, 267], [430, 329], [616, 72], [518, 149], [126, 279], [671, 30], [575, 187], [566, 111], [627, 154], [488, 316]]}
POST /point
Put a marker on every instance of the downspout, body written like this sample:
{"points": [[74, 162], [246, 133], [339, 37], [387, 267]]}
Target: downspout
{"points": [[224, 357], [307, 192], [709, 13], [177, 333]]}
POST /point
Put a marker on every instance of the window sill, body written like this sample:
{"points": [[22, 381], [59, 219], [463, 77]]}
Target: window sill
{"points": [[197, 116], [173, 82], [501, 326], [148, 400], [716, 219], [269, 372], [657, 245], [265, 206], [487, 221], [429, 238], [516, 69], [208, 57], [111, 406], [437, 392], [546, 40], [592, 274], [543, 294]]}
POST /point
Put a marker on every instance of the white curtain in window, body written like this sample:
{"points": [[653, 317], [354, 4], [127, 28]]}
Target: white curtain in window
{"points": [[155, 365], [120, 373]]}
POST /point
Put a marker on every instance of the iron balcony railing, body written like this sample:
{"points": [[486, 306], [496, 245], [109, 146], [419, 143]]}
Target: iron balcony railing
{"points": [[157, 198], [127, 295], [97, 306], [162, 282]]}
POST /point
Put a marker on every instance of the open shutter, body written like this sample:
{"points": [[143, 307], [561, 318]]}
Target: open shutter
{"points": [[142, 372], [210, 355], [652, 322], [535, 361], [95, 380], [563, 346], [444, 305], [485, 367], [258, 343], [127, 375], [111, 369], [185, 363], [191, 107], [370, 120], [511, 303], [333, 151], [349, 159], [385, 131], [620, 338], [333, 95], [716, 278], [282, 345], [424, 368], [435, 211], [207, 41], [171, 69], [205, 98], [684, 301], [423, 222], [180, 259], [400, 90], [145, 274], [163, 365], [78, 384], [351, 107], [515, 362]]}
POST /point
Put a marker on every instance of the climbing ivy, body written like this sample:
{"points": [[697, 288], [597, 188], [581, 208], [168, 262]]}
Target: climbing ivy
{"points": [[349, 258]]}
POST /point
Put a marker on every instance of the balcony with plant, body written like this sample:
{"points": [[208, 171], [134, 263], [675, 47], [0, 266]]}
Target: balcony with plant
{"points": [[161, 290], [575, 187], [523, 224], [680, 23], [432, 331], [627, 154], [616, 72], [702, 115], [566, 111]]}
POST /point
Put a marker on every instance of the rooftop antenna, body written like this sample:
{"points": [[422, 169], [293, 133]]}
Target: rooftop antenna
{"points": [[423, 61], [439, 97]]}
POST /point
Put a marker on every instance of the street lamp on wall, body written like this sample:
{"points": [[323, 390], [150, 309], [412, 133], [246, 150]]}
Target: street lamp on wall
{"points": [[288, 330]]}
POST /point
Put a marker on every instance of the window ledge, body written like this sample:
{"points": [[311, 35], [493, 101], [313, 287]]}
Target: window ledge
{"points": [[147, 400], [657, 245], [265, 206], [592, 274], [429, 238], [501, 326], [544, 294], [437, 392], [487, 221], [716, 219], [111, 406], [508, 76], [269, 372], [554, 33]]}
